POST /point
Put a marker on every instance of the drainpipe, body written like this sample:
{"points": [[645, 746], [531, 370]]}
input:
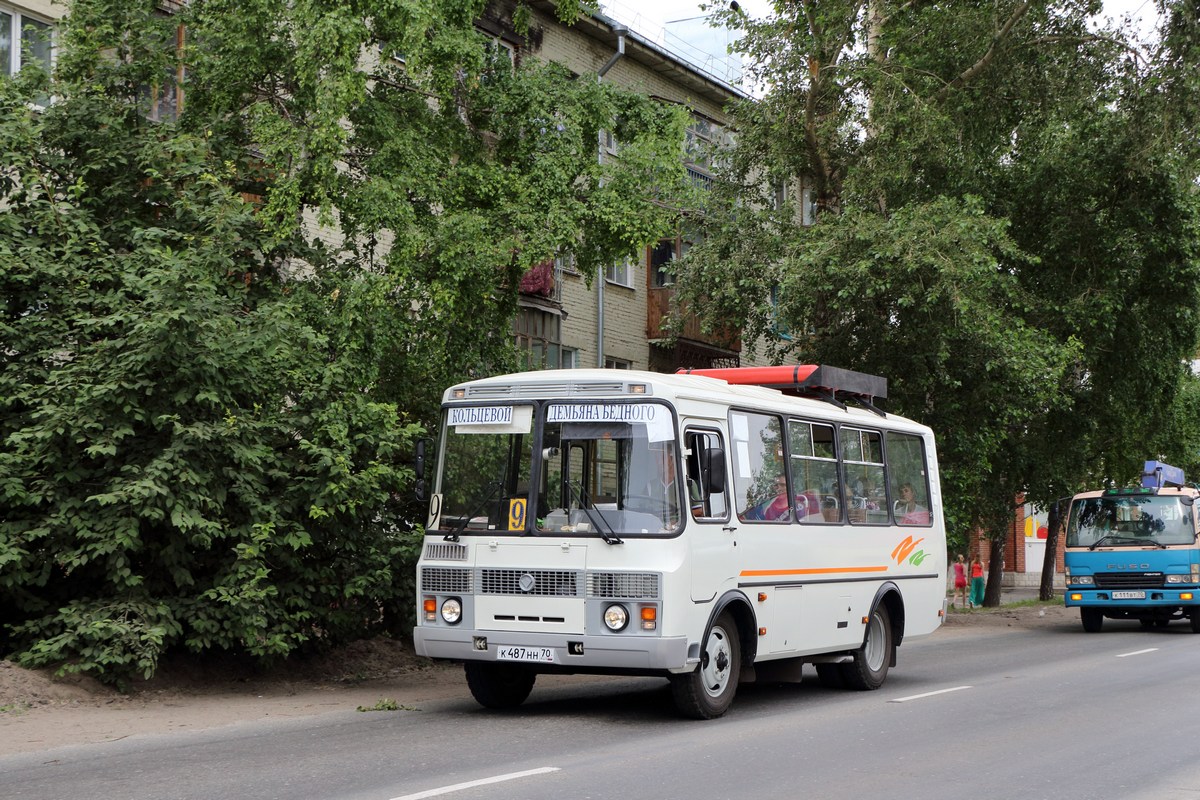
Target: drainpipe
{"points": [[620, 31]]}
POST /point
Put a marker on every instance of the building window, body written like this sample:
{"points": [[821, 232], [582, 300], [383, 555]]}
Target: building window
{"points": [[617, 363], [620, 273], [163, 100], [24, 41], [539, 337], [609, 143]]}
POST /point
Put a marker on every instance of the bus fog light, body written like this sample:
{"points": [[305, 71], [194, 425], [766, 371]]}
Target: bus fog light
{"points": [[452, 610], [616, 617]]}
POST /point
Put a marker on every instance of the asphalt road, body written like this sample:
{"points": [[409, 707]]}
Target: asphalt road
{"points": [[980, 713]]}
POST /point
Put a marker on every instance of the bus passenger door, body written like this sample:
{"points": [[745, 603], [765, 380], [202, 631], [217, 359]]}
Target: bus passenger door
{"points": [[710, 531]]}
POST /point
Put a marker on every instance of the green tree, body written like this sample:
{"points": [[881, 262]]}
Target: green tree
{"points": [[221, 332], [1006, 229]]}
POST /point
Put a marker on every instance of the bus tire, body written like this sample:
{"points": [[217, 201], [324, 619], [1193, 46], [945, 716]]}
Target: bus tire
{"points": [[707, 691], [871, 661], [1092, 619], [499, 685]]}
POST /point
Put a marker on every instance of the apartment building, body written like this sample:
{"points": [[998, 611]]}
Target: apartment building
{"points": [[618, 320]]}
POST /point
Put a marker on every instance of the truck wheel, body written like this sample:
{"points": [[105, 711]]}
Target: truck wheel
{"points": [[1092, 618], [871, 661], [707, 691], [1195, 620], [499, 685]]}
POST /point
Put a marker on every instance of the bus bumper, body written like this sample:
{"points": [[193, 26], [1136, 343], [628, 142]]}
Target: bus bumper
{"points": [[569, 653]]}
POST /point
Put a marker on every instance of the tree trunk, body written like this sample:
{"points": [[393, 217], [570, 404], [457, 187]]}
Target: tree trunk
{"points": [[991, 594], [1050, 562]]}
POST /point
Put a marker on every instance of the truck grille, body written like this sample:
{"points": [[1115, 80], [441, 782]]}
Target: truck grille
{"points": [[1129, 580]]}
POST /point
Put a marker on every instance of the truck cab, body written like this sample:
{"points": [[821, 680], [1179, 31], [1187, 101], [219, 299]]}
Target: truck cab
{"points": [[1131, 553]]}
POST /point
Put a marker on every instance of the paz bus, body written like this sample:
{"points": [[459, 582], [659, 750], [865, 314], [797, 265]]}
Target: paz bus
{"points": [[710, 528], [1132, 553]]}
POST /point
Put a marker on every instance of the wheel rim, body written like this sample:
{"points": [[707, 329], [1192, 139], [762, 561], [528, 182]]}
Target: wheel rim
{"points": [[717, 662], [875, 649]]}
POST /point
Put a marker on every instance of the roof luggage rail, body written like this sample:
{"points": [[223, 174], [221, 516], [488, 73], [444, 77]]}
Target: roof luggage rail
{"points": [[831, 384]]}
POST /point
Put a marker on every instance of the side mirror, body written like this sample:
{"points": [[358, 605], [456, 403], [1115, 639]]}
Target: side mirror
{"points": [[714, 470], [419, 469]]}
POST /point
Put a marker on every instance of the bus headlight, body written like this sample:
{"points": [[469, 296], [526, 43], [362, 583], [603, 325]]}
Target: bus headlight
{"points": [[616, 617], [452, 610]]}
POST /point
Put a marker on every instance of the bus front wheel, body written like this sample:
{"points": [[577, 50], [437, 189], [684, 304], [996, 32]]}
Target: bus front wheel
{"points": [[1092, 618], [707, 691], [499, 685], [871, 661]]}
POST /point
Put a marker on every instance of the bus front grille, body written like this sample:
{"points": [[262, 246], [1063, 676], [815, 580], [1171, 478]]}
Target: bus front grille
{"points": [[624, 585], [540, 582], [446, 580]]}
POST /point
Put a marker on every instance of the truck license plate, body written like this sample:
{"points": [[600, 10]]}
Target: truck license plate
{"points": [[539, 655], [1129, 595]]}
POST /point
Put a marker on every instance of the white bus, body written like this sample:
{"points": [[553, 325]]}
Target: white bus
{"points": [[712, 528]]}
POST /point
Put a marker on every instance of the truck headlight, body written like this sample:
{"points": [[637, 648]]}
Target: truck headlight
{"points": [[1179, 578], [1081, 580], [452, 610]]}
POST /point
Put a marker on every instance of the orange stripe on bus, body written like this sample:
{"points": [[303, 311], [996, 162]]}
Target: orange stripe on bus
{"points": [[759, 573]]}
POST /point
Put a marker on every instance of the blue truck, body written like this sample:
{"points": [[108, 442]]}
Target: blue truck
{"points": [[1132, 553]]}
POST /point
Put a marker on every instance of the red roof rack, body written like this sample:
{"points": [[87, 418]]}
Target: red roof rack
{"points": [[812, 380]]}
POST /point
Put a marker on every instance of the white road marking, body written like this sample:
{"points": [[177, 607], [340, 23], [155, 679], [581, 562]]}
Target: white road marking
{"points": [[928, 694], [1138, 652], [458, 787]]}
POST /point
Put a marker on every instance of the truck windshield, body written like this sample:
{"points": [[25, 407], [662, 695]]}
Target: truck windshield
{"points": [[611, 467], [1130, 521]]}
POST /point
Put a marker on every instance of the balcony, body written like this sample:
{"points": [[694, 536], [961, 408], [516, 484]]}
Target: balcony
{"points": [[725, 344]]}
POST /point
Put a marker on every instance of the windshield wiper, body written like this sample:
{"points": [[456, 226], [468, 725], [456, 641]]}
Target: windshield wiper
{"points": [[491, 489], [1117, 539], [597, 519]]}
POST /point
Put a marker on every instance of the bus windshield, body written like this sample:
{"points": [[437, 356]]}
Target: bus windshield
{"points": [[612, 467], [1130, 520], [606, 469]]}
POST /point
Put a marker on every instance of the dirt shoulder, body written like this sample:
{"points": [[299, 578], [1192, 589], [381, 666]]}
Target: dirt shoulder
{"points": [[41, 712]]}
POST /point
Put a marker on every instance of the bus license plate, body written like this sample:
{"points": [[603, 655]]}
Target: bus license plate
{"points": [[1128, 595], [539, 655]]}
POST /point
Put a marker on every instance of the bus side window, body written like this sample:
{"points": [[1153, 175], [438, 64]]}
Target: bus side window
{"points": [[705, 469], [908, 477], [814, 471]]}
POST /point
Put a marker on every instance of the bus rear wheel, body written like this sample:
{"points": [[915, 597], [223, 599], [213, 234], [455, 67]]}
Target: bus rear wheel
{"points": [[707, 691], [871, 661], [1092, 619], [499, 685]]}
